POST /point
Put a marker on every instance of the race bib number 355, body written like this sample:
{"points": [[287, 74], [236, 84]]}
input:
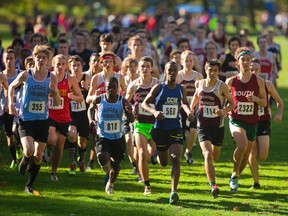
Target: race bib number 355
{"points": [[245, 108], [36, 107], [112, 126], [170, 111]]}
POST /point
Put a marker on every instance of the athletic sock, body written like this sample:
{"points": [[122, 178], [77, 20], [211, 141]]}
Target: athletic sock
{"points": [[147, 183], [72, 151], [34, 170], [12, 150], [82, 153]]}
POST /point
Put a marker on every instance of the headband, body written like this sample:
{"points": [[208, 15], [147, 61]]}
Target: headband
{"points": [[256, 63], [244, 52], [107, 56]]}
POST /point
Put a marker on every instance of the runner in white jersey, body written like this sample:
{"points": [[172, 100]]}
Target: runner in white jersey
{"points": [[187, 78]]}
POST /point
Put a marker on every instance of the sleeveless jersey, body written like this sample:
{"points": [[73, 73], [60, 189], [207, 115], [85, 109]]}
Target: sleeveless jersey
{"points": [[209, 103], [10, 80], [110, 125], [244, 110], [264, 112], [188, 83], [220, 41], [61, 113], [266, 65], [101, 81], [1, 107], [34, 104], [140, 92], [80, 106], [169, 102], [229, 66]]}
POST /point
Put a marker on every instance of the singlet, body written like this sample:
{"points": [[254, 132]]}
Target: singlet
{"points": [[276, 50], [101, 81], [266, 65], [1, 107], [169, 102], [80, 106], [264, 112], [188, 83], [220, 41], [209, 103], [110, 118], [244, 110], [229, 66], [10, 80], [140, 92], [61, 113], [34, 104]]}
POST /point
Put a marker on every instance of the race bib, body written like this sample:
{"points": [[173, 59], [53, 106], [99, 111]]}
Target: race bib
{"points": [[264, 76], [210, 111], [77, 107], [170, 111], [260, 111], [36, 107], [189, 99], [142, 111], [51, 104], [112, 126], [245, 108]]}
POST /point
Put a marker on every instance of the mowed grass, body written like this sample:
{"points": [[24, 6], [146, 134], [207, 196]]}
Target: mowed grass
{"points": [[84, 194]]}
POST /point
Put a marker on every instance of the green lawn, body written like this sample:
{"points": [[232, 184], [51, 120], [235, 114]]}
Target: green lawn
{"points": [[84, 194]]}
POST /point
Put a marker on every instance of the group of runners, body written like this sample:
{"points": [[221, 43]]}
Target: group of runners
{"points": [[53, 102]]}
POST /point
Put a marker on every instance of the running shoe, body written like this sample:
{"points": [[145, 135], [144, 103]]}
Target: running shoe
{"points": [[19, 153], [174, 198], [106, 179], [47, 156], [233, 184], [215, 191], [13, 164], [31, 191], [109, 188], [23, 167], [147, 190], [82, 167], [189, 158], [134, 171], [153, 160], [89, 167], [53, 176], [72, 169], [255, 186]]}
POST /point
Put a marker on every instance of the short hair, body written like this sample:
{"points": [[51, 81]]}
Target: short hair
{"points": [[75, 58], [261, 37], [93, 55], [234, 38], [174, 52], [129, 60], [256, 60], [210, 42], [239, 50], [213, 62], [187, 52], [170, 63], [18, 41], [95, 30], [134, 38], [41, 48], [112, 79], [7, 51], [182, 40], [106, 37], [147, 59], [29, 58], [63, 41], [59, 56], [35, 35]]}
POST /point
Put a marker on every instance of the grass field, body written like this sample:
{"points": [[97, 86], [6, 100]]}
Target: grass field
{"points": [[84, 194]]}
